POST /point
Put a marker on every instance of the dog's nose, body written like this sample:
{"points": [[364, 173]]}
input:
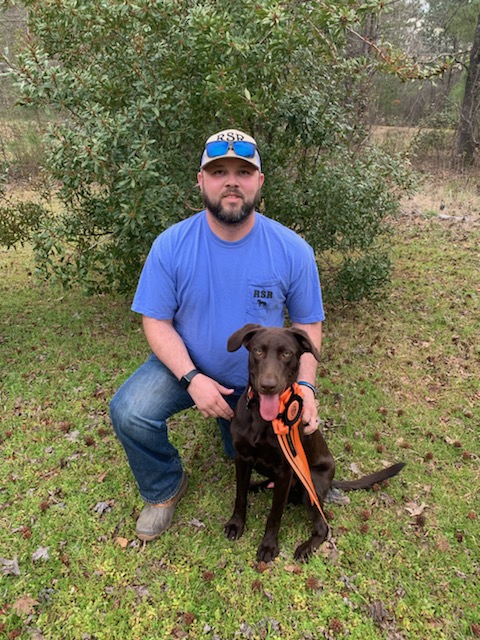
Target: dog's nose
{"points": [[268, 385]]}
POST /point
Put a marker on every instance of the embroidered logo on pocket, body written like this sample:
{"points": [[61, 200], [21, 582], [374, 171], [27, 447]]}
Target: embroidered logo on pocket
{"points": [[262, 296], [263, 300]]}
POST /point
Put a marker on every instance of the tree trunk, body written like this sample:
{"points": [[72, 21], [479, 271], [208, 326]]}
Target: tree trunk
{"points": [[470, 111]]}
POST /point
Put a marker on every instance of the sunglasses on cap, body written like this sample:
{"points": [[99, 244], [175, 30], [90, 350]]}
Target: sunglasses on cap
{"points": [[241, 148]]}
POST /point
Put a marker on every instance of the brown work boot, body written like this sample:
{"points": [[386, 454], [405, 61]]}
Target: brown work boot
{"points": [[156, 518]]}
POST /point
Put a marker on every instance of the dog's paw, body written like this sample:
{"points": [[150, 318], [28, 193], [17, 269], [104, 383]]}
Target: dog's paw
{"points": [[267, 552], [234, 529], [304, 551]]}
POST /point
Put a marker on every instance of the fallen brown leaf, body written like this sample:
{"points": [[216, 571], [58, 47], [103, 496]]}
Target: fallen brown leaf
{"points": [[293, 568], [415, 509], [25, 605], [10, 567], [442, 544], [329, 551], [103, 507], [40, 554], [122, 542], [102, 476]]}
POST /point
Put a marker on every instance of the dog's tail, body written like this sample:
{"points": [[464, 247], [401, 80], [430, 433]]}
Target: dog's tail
{"points": [[367, 482]]}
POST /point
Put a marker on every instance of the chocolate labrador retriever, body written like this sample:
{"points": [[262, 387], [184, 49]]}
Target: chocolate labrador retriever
{"points": [[274, 359]]}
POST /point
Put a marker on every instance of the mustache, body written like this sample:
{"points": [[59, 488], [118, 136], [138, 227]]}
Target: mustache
{"points": [[232, 192]]}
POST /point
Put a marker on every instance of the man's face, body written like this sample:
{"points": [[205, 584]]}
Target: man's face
{"points": [[231, 189]]}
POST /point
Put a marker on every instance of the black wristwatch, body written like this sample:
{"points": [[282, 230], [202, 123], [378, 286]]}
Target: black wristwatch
{"points": [[187, 378]]}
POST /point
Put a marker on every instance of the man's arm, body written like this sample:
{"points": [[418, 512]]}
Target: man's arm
{"points": [[308, 373], [168, 346]]}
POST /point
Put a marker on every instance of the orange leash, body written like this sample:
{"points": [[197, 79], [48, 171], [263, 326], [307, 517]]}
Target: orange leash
{"points": [[285, 427]]}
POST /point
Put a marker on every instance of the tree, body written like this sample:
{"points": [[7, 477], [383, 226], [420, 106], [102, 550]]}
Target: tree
{"points": [[456, 24], [468, 128], [442, 30], [139, 84]]}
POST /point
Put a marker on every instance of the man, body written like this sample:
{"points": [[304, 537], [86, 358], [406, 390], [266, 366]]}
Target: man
{"points": [[204, 278]]}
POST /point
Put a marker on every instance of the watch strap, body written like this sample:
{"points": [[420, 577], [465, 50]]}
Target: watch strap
{"points": [[187, 378]]}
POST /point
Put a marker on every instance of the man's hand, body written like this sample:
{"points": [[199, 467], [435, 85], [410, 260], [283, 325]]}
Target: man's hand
{"points": [[208, 397], [310, 414], [170, 349]]}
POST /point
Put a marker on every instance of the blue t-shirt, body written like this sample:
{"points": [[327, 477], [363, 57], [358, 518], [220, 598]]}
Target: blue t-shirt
{"points": [[210, 288]]}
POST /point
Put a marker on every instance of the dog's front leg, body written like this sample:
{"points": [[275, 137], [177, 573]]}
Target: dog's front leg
{"points": [[319, 534], [322, 474], [268, 549], [234, 527]]}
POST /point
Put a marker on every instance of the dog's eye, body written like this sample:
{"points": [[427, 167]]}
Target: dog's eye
{"points": [[287, 354], [258, 351]]}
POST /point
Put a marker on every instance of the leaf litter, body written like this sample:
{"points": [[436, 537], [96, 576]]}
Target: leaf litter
{"points": [[10, 567]]}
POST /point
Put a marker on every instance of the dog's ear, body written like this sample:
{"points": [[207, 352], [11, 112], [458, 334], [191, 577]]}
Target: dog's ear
{"points": [[242, 336], [304, 341]]}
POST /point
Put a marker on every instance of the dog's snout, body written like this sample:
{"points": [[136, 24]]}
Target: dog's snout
{"points": [[268, 385], [271, 372]]}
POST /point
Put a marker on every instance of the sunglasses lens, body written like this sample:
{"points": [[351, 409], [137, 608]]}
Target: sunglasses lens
{"points": [[241, 148], [244, 149], [217, 148]]}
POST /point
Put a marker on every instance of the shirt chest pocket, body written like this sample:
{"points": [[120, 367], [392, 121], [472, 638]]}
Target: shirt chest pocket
{"points": [[265, 303]]}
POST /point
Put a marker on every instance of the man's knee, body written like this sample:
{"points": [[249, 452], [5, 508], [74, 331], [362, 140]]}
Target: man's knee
{"points": [[114, 413], [119, 412]]}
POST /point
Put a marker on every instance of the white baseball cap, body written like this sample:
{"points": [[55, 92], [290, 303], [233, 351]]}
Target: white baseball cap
{"points": [[231, 143]]}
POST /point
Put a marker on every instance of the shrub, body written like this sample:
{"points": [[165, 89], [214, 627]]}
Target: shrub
{"points": [[18, 220], [142, 83]]}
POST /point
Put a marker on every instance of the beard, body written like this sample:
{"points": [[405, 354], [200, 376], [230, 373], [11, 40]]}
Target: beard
{"points": [[231, 215]]}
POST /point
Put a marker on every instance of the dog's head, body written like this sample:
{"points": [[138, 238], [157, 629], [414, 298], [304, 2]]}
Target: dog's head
{"points": [[274, 360]]}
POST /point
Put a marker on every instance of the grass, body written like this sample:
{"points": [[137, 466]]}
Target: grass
{"points": [[20, 146], [399, 381]]}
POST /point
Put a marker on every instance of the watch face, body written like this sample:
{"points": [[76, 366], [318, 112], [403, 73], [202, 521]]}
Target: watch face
{"points": [[187, 378]]}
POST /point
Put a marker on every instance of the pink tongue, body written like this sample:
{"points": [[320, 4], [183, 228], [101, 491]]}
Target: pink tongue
{"points": [[269, 406]]}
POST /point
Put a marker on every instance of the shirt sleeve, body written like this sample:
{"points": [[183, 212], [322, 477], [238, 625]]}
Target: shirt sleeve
{"points": [[155, 296], [304, 299]]}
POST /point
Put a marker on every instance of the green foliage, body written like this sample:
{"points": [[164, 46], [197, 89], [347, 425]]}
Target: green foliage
{"points": [[142, 83], [22, 152], [346, 201], [18, 220]]}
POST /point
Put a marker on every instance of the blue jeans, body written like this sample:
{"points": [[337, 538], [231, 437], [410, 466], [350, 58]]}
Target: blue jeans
{"points": [[139, 411]]}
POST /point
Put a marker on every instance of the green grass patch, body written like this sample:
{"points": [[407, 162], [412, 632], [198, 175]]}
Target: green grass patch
{"points": [[399, 381]]}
